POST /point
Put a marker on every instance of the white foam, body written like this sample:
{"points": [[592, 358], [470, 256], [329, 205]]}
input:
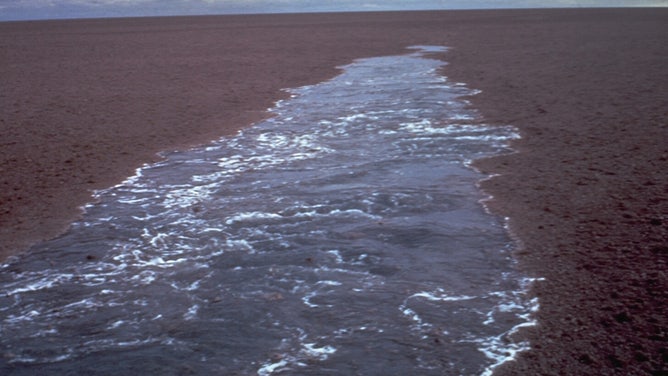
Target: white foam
{"points": [[192, 313], [188, 196], [441, 296], [45, 333], [240, 245], [251, 216], [84, 304], [411, 315], [47, 282], [270, 368], [499, 349], [319, 353], [145, 277], [115, 325], [52, 359], [503, 348], [337, 255], [306, 299], [329, 283], [28, 316], [145, 218], [136, 200], [353, 212]]}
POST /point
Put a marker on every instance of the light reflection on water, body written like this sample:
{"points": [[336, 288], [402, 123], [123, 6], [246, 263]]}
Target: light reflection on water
{"points": [[343, 236]]}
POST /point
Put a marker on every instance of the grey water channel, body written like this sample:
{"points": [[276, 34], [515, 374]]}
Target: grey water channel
{"points": [[343, 236]]}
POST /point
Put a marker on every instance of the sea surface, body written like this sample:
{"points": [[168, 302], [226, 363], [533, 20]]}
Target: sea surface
{"points": [[343, 236]]}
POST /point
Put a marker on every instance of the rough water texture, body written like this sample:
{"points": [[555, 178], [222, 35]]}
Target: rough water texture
{"points": [[343, 236]]}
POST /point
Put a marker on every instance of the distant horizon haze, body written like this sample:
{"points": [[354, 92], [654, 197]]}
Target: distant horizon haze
{"points": [[15, 10]]}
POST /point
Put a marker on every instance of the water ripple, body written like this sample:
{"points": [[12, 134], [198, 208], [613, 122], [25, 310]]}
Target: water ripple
{"points": [[345, 235]]}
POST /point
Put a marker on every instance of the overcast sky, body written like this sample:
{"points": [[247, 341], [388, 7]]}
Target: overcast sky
{"points": [[45, 9]]}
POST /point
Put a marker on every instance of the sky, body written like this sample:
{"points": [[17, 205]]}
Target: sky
{"points": [[50, 9]]}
